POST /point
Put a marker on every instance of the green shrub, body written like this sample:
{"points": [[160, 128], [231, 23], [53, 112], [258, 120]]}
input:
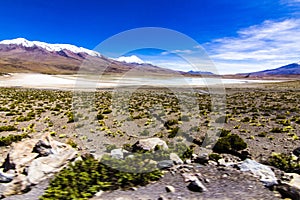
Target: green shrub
{"points": [[277, 130], [7, 128], [262, 134], [111, 147], [224, 132], [168, 124], [229, 143], [71, 117], [214, 156], [86, 177], [72, 143], [100, 116], [5, 141], [246, 119], [284, 162], [173, 132], [23, 119]]}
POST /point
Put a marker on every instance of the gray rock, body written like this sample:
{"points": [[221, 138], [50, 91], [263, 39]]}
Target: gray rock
{"points": [[42, 148], [43, 167], [188, 161], [165, 164], [288, 191], [294, 180], [19, 185], [177, 160], [170, 188], [162, 198], [6, 177], [196, 186], [149, 144], [188, 177], [40, 159], [296, 151], [117, 153], [264, 172], [202, 158], [98, 194]]}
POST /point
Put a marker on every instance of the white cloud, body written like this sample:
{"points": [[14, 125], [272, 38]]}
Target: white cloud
{"points": [[183, 51], [267, 45], [130, 59]]}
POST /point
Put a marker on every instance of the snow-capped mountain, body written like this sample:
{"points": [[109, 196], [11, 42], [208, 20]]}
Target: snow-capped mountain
{"points": [[130, 59], [21, 55], [49, 47]]}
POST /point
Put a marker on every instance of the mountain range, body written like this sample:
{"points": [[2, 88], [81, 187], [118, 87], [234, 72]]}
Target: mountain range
{"points": [[287, 70], [21, 55]]}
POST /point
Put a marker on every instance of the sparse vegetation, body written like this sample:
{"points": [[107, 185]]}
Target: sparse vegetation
{"points": [[84, 178], [5, 141]]}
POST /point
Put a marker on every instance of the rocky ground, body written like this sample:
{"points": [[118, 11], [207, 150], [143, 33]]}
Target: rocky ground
{"points": [[265, 117]]}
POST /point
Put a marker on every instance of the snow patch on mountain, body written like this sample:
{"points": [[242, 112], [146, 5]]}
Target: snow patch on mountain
{"points": [[50, 47], [130, 59]]}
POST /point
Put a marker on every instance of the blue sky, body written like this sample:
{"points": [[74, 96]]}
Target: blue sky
{"points": [[238, 35]]}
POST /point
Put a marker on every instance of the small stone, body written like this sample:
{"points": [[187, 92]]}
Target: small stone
{"points": [[224, 175], [5, 177], [196, 186], [296, 151], [189, 177], [130, 156], [210, 162], [177, 160], [188, 161], [165, 164], [202, 158], [162, 198], [170, 188], [133, 189], [117, 154], [149, 144], [288, 191], [98, 194]]}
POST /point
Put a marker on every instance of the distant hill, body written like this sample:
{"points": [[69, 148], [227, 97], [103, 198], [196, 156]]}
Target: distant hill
{"points": [[287, 70], [21, 55], [199, 73]]}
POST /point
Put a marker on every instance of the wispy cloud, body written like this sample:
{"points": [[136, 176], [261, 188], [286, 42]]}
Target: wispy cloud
{"points": [[290, 2], [181, 51], [267, 45]]}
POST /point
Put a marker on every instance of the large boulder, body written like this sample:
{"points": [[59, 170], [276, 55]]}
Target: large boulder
{"points": [[149, 144], [20, 155], [33, 161], [265, 173], [43, 167]]}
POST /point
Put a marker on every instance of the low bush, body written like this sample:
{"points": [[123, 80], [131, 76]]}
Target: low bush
{"points": [[5, 141], [285, 162], [7, 128], [229, 143], [88, 176]]}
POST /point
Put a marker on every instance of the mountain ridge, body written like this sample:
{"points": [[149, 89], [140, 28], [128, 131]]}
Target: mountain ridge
{"points": [[21, 55], [286, 70]]}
